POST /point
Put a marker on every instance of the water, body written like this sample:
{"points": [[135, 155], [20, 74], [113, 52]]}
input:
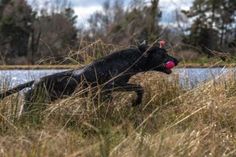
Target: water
{"points": [[15, 77], [191, 77], [188, 77]]}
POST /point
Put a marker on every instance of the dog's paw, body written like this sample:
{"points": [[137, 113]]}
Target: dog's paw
{"points": [[136, 102]]}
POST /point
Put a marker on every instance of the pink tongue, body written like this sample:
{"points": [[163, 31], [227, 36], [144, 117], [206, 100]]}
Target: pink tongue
{"points": [[169, 65]]}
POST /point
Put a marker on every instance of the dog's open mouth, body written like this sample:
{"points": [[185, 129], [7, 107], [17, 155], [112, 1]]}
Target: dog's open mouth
{"points": [[167, 71]]}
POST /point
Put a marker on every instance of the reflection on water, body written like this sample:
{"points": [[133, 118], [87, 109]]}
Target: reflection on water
{"points": [[15, 77], [189, 77]]}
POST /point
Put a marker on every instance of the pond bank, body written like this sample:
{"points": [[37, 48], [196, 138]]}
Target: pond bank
{"points": [[188, 77], [37, 67], [181, 65]]}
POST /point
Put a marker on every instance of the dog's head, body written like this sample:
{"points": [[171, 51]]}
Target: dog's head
{"points": [[158, 59]]}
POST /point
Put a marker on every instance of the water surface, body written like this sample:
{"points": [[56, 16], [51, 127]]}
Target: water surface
{"points": [[188, 77]]}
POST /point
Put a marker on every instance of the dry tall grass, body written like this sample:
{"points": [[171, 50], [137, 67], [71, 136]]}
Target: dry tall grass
{"points": [[170, 122]]}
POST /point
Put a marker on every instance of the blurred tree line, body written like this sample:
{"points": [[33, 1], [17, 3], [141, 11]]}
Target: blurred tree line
{"points": [[50, 32], [27, 35], [115, 24], [213, 25]]}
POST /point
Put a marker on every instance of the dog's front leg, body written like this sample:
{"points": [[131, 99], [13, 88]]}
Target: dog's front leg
{"points": [[131, 87], [139, 91]]}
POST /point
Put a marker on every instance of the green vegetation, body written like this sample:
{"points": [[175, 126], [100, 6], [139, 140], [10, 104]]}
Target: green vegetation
{"points": [[170, 122], [30, 34]]}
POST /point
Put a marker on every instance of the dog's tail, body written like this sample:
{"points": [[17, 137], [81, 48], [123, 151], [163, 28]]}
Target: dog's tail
{"points": [[15, 89]]}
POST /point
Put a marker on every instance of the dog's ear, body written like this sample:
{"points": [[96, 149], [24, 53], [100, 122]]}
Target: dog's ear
{"points": [[162, 43], [143, 46]]}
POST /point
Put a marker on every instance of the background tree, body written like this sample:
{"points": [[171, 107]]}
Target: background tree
{"points": [[58, 34], [213, 22], [15, 27], [117, 25], [51, 31], [24, 34]]}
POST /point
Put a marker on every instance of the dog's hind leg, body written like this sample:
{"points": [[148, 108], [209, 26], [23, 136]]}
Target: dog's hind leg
{"points": [[106, 94], [28, 100], [36, 99]]}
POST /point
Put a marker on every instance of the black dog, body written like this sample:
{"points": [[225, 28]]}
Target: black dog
{"points": [[111, 72]]}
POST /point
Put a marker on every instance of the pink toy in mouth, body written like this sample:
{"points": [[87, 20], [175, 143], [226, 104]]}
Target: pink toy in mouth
{"points": [[169, 65]]}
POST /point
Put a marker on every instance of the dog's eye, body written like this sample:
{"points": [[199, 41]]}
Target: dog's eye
{"points": [[164, 51], [165, 55]]}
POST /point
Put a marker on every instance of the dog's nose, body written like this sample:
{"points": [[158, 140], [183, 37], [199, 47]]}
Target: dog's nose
{"points": [[176, 61]]}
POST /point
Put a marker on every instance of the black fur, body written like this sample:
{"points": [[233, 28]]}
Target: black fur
{"points": [[112, 72]]}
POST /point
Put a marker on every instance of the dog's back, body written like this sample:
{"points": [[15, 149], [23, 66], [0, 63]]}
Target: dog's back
{"points": [[113, 66]]}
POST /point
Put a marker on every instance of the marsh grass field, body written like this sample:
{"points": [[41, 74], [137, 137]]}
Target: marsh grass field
{"points": [[172, 121]]}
